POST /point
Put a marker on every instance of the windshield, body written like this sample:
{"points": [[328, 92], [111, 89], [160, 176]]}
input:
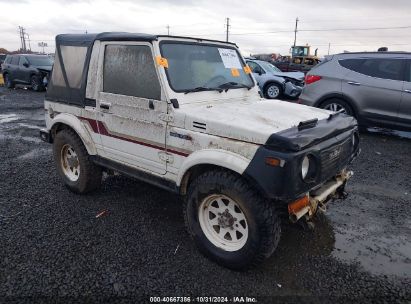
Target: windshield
{"points": [[40, 60], [268, 67], [192, 66]]}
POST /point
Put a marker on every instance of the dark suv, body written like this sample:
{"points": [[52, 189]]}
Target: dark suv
{"points": [[27, 69]]}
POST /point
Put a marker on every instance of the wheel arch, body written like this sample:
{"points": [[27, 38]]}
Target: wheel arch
{"points": [[64, 121], [206, 160], [271, 81], [344, 98]]}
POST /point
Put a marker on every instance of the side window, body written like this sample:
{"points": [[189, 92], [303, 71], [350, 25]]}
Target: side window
{"points": [[383, 68], [130, 70], [22, 61], [352, 64], [253, 66], [15, 60], [8, 59]]}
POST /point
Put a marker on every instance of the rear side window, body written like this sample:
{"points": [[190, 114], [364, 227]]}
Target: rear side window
{"points": [[376, 67], [130, 70], [352, 64], [8, 59], [73, 61], [15, 60], [383, 68]]}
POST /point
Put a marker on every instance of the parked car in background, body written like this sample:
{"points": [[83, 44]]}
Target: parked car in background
{"points": [[273, 82], [27, 69], [373, 87]]}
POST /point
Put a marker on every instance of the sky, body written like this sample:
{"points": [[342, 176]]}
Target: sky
{"points": [[259, 26]]}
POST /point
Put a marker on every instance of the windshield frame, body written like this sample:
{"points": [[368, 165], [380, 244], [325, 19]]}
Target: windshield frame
{"points": [[211, 44]]}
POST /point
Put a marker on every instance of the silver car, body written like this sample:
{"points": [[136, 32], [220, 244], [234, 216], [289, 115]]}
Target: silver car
{"points": [[373, 87], [273, 82]]}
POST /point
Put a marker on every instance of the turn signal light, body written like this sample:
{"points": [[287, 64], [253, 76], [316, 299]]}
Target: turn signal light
{"points": [[275, 162], [309, 79], [297, 205]]}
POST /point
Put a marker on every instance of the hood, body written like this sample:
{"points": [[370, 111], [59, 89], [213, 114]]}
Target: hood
{"points": [[296, 75], [247, 120], [46, 68]]}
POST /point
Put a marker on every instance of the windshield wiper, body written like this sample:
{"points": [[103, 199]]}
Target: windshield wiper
{"points": [[233, 85], [201, 89]]}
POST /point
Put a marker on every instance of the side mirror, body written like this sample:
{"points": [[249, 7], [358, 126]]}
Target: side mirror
{"points": [[26, 64]]}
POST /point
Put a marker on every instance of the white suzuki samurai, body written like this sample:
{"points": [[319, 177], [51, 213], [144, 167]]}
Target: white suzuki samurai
{"points": [[185, 114]]}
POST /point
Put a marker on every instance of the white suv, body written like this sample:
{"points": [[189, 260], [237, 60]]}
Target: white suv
{"points": [[185, 114]]}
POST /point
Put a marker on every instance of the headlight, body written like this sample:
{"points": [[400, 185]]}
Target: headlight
{"points": [[305, 166]]}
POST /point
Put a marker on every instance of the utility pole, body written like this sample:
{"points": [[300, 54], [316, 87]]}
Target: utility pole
{"points": [[22, 38], [295, 31], [28, 39], [227, 23], [168, 29], [329, 46]]}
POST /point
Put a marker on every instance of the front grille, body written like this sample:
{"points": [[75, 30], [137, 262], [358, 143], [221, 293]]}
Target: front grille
{"points": [[335, 158]]}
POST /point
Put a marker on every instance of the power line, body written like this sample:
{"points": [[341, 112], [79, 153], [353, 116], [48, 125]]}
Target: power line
{"points": [[327, 30]]}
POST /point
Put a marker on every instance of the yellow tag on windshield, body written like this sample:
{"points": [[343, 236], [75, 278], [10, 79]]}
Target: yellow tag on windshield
{"points": [[235, 72], [247, 69], [162, 61]]}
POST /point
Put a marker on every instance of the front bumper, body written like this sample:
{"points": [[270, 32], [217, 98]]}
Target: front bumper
{"points": [[292, 90], [318, 198]]}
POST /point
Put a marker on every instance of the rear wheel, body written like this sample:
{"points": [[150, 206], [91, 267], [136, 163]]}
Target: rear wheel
{"points": [[79, 174], [273, 91], [7, 80], [229, 221]]}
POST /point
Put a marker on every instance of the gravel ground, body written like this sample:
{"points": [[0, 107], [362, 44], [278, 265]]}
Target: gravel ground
{"points": [[53, 248]]}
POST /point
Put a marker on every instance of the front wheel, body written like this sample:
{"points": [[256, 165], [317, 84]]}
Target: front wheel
{"points": [[273, 91], [36, 83], [79, 174], [229, 221]]}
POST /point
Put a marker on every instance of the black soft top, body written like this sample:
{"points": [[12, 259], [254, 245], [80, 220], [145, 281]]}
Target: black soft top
{"points": [[73, 51]]}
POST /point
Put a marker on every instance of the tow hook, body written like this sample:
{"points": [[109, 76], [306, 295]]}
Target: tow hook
{"points": [[317, 200]]}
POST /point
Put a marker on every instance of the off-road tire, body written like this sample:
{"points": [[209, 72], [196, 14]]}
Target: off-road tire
{"points": [[275, 86], [8, 82], [263, 221], [90, 174], [36, 84]]}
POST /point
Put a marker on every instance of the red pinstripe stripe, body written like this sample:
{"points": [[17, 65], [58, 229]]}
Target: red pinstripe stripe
{"points": [[98, 127]]}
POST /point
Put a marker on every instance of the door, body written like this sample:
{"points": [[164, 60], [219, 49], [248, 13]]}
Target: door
{"points": [[375, 84], [23, 72], [131, 112], [404, 113]]}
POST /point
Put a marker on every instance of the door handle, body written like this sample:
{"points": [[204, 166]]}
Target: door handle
{"points": [[354, 83], [407, 91], [105, 105]]}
